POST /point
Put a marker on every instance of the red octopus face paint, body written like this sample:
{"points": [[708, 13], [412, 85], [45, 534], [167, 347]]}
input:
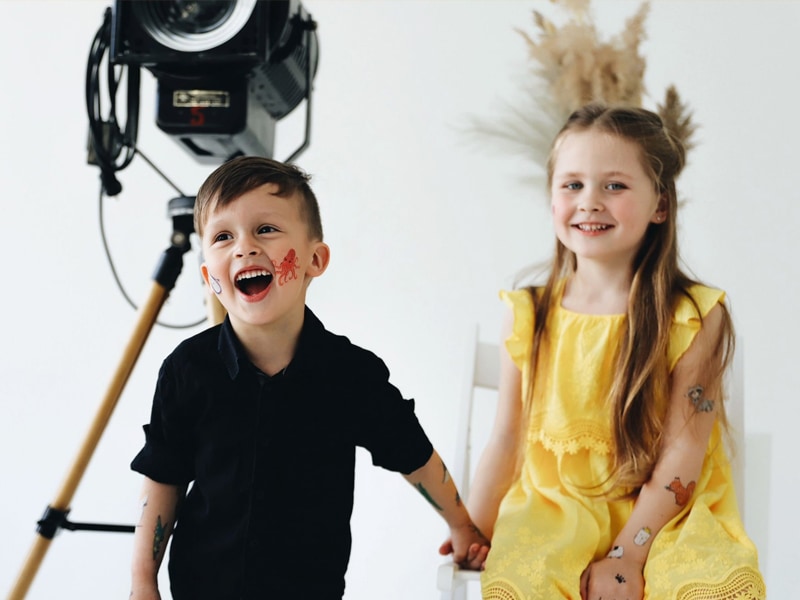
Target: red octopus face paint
{"points": [[286, 270]]}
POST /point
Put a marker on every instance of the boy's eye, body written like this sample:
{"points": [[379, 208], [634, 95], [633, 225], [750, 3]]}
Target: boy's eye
{"points": [[267, 229], [573, 185], [222, 237]]}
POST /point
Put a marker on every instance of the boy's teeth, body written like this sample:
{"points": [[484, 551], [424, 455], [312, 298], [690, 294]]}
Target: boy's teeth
{"points": [[251, 274]]}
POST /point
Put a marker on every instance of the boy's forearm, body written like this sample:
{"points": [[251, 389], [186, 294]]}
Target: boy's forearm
{"points": [[159, 503], [434, 483]]}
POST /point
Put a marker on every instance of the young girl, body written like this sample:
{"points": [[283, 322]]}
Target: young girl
{"points": [[611, 394]]}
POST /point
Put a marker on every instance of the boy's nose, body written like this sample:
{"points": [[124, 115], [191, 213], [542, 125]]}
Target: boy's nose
{"points": [[247, 248]]}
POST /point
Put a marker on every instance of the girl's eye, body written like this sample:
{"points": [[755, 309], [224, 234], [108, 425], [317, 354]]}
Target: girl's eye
{"points": [[615, 186], [267, 229], [574, 185]]}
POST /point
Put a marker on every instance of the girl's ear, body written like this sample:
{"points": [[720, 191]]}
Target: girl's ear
{"points": [[320, 257], [661, 211]]}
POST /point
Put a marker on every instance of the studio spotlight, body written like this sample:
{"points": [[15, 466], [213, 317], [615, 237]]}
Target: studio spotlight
{"points": [[227, 71]]}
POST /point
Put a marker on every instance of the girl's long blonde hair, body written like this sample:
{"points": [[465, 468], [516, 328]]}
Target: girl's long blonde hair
{"points": [[640, 389]]}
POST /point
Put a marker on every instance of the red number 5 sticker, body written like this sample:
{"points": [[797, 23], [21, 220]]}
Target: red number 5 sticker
{"points": [[198, 117]]}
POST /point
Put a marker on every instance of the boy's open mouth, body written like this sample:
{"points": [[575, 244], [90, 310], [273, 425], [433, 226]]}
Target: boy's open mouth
{"points": [[251, 283]]}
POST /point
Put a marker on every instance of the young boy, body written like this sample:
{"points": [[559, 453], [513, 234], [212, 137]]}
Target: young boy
{"points": [[258, 418]]}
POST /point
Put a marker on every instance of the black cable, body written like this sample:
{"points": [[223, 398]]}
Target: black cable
{"points": [[114, 273], [106, 139], [111, 147]]}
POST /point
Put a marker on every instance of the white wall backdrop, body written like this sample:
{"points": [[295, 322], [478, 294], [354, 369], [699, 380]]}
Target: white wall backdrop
{"points": [[424, 226]]}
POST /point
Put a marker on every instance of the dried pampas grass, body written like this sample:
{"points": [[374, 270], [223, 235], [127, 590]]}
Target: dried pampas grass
{"points": [[570, 66]]}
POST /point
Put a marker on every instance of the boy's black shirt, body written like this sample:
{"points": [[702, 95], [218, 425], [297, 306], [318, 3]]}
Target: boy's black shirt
{"points": [[271, 461]]}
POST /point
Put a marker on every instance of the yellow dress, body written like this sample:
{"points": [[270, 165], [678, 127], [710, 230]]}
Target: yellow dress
{"points": [[548, 531]]}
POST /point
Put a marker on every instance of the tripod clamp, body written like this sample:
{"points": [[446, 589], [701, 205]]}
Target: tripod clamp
{"points": [[181, 211], [54, 519]]}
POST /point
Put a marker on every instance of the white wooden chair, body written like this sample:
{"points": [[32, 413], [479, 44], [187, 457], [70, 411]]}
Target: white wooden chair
{"points": [[483, 374], [480, 383], [735, 411]]}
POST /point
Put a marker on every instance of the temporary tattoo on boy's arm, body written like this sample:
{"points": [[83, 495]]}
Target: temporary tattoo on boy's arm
{"points": [[458, 499], [215, 284], [700, 403], [640, 539], [287, 268], [159, 533], [619, 578], [141, 516], [616, 552], [682, 494], [445, 473], [427, 497], [478, 532]]}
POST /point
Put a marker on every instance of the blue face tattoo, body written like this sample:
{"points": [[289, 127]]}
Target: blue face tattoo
{"points": [[215, 284]]}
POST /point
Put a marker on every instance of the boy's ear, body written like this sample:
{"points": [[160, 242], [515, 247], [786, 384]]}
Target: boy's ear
{"points": [[204, 272], [320, 258]]}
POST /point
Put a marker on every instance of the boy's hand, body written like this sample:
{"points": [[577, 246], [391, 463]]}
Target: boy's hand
{"points": [[149, 594], [468, 546]]}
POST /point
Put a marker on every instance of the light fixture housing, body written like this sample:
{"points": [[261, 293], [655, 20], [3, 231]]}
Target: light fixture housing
{"points": [[227, 70]]}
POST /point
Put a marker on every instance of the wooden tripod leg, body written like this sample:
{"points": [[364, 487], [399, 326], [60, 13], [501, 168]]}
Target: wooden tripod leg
{"points": [[216, 312], [148, 313]]}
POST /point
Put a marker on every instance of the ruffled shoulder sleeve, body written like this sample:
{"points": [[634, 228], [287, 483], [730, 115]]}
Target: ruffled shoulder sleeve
{"points": [[519, 342], [687, 320]]}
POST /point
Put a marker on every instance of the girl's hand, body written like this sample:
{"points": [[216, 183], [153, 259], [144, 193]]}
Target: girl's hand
{"points": [[612, 579]]}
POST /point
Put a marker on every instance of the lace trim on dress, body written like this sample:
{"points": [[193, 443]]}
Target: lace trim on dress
{"points": [[743, 583], [573, 445], [582, 435], [501, 590]]}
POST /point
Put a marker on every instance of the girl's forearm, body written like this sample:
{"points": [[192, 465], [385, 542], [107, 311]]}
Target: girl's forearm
{"points": [[493, 477], [668, 491]]}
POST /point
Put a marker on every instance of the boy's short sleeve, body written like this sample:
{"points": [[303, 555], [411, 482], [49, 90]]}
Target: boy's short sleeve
{"points": [[385, 423], [165, 455]]}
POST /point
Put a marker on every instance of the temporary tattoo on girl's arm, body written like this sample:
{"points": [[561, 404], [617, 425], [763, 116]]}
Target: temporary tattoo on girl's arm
{"points": [[616, 552], [158, 537], [287, 268], [640, 539], [682, 494], [458, 499], [427, 497], [700, 403], [619, 578], [445, 473]]}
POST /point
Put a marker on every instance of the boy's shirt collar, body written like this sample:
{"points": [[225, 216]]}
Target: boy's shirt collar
{"points": [[234, 356]]}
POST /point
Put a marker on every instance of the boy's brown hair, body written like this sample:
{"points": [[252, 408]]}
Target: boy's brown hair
{"points": [[244, 173]]}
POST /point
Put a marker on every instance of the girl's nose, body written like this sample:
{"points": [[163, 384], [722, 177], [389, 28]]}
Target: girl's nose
{"points": [[590, 202]]}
